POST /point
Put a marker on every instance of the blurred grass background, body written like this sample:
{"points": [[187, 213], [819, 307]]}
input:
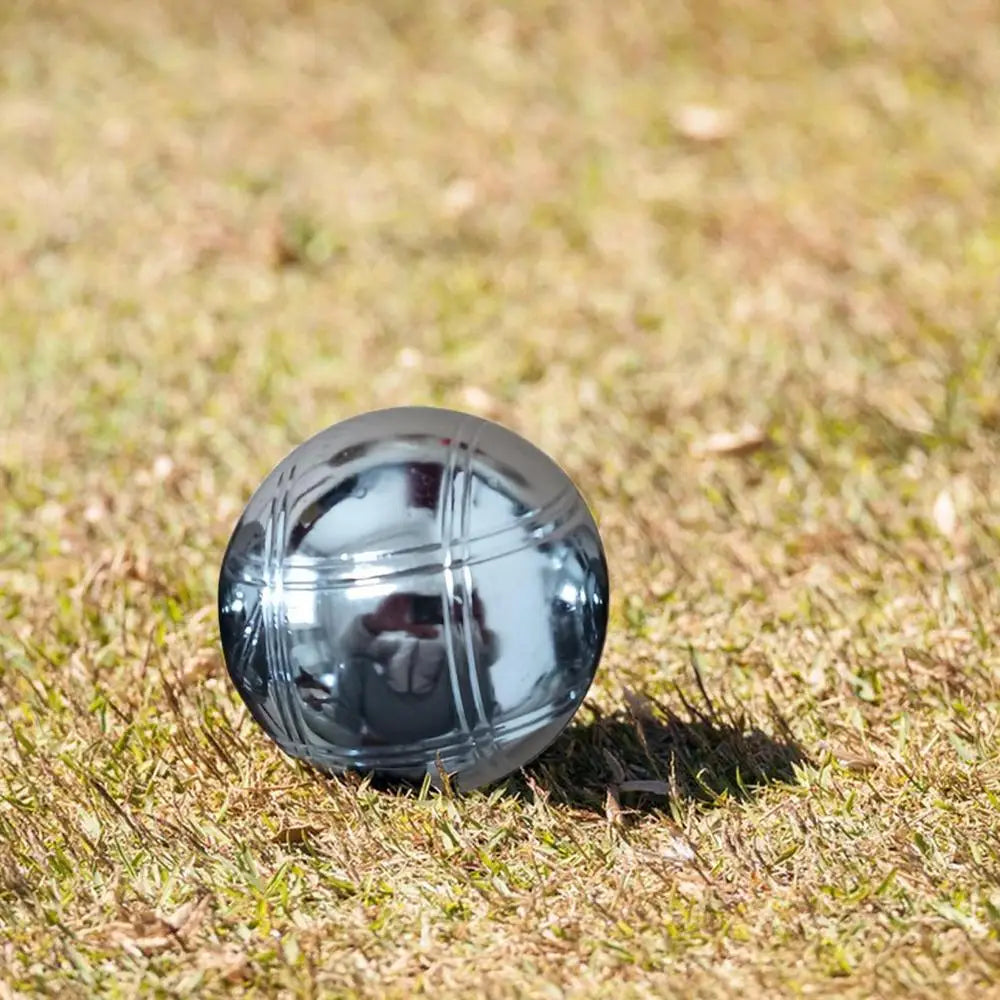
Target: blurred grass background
{"points": [[734, 265]]}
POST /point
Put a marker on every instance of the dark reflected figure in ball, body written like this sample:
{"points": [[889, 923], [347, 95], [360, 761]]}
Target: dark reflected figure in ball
{"points": [[396, 686]]}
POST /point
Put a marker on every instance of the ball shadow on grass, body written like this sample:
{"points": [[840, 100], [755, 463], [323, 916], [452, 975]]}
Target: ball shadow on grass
{"points": [[698, 756]]}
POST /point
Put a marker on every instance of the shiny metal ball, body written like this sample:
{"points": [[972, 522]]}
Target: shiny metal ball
{"points": [[415, 591]]}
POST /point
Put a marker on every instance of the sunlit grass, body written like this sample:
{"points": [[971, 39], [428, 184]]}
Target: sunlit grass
{"points": [[734, 265]]}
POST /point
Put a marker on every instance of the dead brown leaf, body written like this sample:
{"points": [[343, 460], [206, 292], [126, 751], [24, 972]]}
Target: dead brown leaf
{"points": [[744, 441], [479, 401], [163, 466], [679, 851], [944, 513], [296, 835], [139, 938], [650, 787], [849, 759], [230, 961], [459, 196], [613, 808], [198, 667], [188, 917], [149, 932], [691, 889], [703, 122]]}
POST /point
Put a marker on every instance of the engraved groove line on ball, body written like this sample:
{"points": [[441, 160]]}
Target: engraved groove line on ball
{"points": [[274, 543], [552, 515], [554, 532], [291, 702], [447, 492], [249, 638], [465, 517], [565, 497]]}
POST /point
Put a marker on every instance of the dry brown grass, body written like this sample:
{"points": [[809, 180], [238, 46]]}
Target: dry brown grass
{"points": [[623, 229]]}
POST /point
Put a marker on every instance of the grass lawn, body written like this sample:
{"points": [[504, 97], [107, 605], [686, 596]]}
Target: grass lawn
{"points": [[734, 263]]}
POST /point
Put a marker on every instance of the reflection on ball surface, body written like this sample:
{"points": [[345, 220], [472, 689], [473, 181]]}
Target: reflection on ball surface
{"points": [[414, 590]]}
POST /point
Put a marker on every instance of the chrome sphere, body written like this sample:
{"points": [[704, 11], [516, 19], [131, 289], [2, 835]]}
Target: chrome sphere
{"points": [[414, 591]]}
